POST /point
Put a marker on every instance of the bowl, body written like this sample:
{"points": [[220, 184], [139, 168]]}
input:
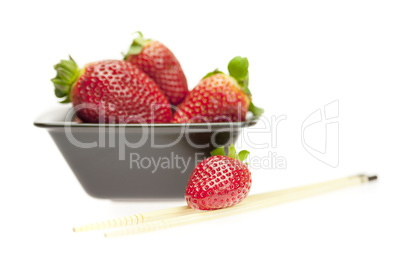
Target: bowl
{"points": [[135, 161]]}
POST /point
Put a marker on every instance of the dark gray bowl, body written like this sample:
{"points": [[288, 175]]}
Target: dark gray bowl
{"points": [[114, 161]]}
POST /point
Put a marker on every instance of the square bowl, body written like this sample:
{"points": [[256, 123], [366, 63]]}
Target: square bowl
{"points": [[135, 161]]}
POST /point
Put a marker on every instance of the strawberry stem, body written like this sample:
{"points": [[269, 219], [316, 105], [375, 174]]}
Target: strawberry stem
{"points": [[67, 74], [232, 153]]}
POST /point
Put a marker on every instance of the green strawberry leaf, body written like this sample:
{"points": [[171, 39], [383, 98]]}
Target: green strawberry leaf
{"points": [[218, 151], [136, 46], [67, 74], [232, 153], [238, 68], [139, 33], [247, 90], [59, 93], [66, 100], [216, 71], [257, 112], [134, 50], [243, 155]]}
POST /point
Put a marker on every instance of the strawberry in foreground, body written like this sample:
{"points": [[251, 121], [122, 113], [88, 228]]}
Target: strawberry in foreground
{"points": [[111, 91], [219, 181], [219, 97], [157, 61]]}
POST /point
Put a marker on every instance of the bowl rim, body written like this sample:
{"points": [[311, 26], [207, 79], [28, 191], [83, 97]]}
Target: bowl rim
{"points": [[49, 120]]}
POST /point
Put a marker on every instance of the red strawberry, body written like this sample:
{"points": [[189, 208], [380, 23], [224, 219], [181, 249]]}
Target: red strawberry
{"points": [[219, 181], [219, 97], [111, 91], [157, 61]]}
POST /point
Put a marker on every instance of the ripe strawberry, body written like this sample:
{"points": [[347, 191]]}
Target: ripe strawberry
{"points": [[219, 181], [219, 97], [157, 61], [111, 91]]}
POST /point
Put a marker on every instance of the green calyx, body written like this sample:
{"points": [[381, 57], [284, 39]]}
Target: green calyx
{"points": [[216, 71], [257, 112], [136, 46], [67, 74], [242, 155], [238, 69]]}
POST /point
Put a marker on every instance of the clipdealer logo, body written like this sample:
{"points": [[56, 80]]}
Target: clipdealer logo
{"points": [[172, 162], [319, 137]]}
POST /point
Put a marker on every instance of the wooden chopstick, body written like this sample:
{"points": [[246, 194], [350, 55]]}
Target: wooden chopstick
{"points": [[133, 219], [179, 216], [185, 210]]}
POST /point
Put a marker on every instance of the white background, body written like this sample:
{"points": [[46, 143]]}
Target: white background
{"points": [[303, 55]]}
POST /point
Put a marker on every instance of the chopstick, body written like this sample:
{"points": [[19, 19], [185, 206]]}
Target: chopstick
{"points": [[141, 218], [133, 219], [152, 221]]}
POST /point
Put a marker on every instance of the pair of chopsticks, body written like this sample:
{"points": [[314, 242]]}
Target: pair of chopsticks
{"points": [[161, 219]]}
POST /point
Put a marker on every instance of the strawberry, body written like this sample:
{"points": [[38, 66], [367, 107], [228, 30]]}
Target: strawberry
{"points": [[219, 97], [157, 61], [111, 91], [219, 181]]}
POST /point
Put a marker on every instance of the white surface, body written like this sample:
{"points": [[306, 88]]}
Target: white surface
{"points": [[303, 55]]}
